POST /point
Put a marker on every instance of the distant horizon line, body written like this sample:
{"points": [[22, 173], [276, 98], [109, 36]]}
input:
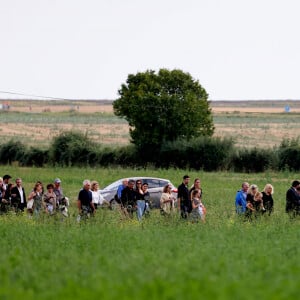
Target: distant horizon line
{"points": [[112, 100]]}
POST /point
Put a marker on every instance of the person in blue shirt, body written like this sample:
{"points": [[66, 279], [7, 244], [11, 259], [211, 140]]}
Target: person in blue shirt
{"points": [[121, 187], [240, 198]]}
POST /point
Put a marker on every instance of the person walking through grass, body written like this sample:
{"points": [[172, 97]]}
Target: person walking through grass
{"points": [[183, 200], [240, 199], [293, 199], [195, 186], [140, 202], [167, 201], [49, 200], [85, 201], [254, 202], [98, 199], [35, 200], [251, 204], [147, 198], [129, 199], [267, 197], [18, 196], [198, 210], [58, 192]]}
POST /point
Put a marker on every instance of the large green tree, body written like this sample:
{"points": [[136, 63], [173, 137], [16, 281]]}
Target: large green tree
{"points": [[164, 106]]}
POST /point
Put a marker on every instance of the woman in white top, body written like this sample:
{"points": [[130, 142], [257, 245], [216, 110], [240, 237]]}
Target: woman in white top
{"points": [[96, 196], [167, 200]]}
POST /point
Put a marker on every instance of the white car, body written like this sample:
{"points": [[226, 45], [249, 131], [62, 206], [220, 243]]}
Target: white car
{"points": [[155, 188]]}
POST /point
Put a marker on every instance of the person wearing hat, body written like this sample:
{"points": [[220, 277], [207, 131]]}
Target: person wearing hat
{"points": [[58, 192]]}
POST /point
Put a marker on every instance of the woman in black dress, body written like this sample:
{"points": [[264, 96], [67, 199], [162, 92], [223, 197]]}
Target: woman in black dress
{"points": [[268, 199]]}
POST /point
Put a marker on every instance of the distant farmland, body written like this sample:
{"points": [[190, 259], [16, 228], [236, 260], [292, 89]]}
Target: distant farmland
{"points": [[250, 123]]}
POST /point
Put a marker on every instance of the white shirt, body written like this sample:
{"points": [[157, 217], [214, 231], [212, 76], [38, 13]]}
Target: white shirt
{"points": [[97, 198], [21, 194]]}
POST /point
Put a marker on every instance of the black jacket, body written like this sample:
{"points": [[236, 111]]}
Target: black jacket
{"points": [[292, 200], [16, 200], [128, 197]]}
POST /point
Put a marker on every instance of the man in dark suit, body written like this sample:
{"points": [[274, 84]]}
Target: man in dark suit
{"points": [[293, 199], [18, 197]]}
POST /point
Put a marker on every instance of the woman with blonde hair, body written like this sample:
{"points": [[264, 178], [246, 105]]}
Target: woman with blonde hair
{"points": [[268, 201], [251, 206], [97, 198]]}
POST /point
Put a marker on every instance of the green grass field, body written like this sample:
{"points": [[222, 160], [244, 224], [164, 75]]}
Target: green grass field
{"points": [[159, 258]]}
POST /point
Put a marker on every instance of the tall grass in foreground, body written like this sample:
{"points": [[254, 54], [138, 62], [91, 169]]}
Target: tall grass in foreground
{"points": [[107, 258], [159, 258]]}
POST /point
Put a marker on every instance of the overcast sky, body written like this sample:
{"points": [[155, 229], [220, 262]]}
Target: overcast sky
{"points": [[85, 49]]}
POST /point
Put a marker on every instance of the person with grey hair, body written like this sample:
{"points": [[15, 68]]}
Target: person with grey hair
{"points": [[18, 196], [58, 192], [85, 200], [240, 199]]}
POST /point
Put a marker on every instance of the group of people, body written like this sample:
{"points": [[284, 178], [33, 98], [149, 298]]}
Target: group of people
{"points": [[189, 200], [133, 197], [13, 198], [89, 199], [249, 201]]}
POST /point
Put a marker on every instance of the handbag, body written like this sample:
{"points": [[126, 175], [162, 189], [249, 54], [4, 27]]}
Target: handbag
{"points": [[30, 204]]}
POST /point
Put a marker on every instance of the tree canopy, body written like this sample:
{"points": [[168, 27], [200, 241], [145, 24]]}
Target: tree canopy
{"points": [[164, 106]]}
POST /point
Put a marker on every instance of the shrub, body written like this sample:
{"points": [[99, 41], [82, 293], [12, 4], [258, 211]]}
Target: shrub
{"points": [[289, 154], [11, 151], [126, 156], [71, 148], [202, 153], [35, 157], [251, 160]]}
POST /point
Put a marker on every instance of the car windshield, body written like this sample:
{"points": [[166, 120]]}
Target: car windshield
{"points": [[152, 183], [155, 183], [113, 186]]}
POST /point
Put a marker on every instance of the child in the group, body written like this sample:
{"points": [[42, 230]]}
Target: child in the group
{"points": [[198, 208], [49, 199], [258, 198]]}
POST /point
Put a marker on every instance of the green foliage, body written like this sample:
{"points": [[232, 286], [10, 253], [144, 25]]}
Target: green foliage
{"points": [[201, 153], [35, 157], [163, 107], [289, 154], [71, 148], [126, 156], [252, 160], [11, 151]]}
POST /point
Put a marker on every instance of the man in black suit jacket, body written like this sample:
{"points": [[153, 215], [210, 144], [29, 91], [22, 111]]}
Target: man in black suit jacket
{"points": [[293, 199], [18, 197]]}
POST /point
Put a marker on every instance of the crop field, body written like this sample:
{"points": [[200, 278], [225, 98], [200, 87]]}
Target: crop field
{"points": [[250, 123], [159, 258]]}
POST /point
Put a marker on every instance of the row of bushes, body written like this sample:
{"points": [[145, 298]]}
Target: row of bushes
{"points": [[209, 154]]}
